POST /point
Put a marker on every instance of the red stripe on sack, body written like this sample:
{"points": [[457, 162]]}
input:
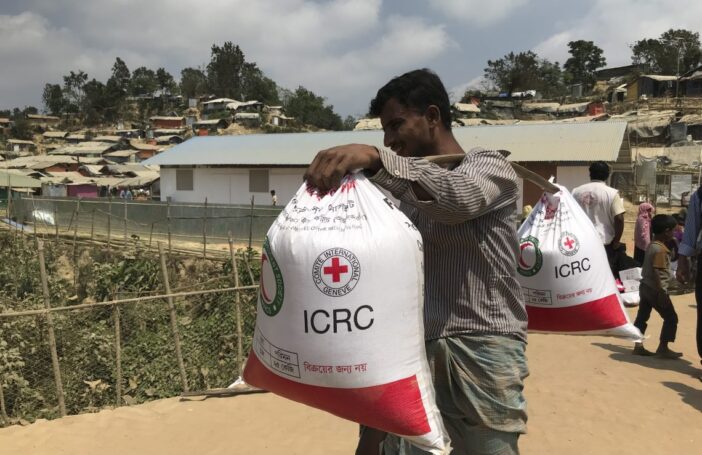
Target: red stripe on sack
{"points": [[395, 407], [600, 314]]}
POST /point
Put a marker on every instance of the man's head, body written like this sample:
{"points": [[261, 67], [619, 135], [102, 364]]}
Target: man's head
{"points": [[414, 110], [599, 170]]}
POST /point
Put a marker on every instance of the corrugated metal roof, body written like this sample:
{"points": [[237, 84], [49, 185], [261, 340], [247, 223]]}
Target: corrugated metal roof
{"points": [[542, 142], [10, 179], [658, 77], [55, 134]]}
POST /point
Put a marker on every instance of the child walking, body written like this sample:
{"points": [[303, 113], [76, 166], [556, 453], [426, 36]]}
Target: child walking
{"points": [[655, 277]]}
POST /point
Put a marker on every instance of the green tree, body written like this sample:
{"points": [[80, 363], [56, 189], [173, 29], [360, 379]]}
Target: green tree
{"points": [[21, 129], [97, 104], [224, 72], [53, 99], [525, 71], [585, 59], [309, 109], [121, 76], [143, 82], [166, 83], [193, 82], [73, 90], [116, 90], [661, 54], [349, 123], [256, 86]]}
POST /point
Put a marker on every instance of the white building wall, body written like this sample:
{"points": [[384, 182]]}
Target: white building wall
{"points": [[572, 176], [231, 186]]}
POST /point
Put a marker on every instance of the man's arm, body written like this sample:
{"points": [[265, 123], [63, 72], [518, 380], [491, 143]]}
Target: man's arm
{"points": [[618, 211], [688, 246], [618, 230], [447, 196]]}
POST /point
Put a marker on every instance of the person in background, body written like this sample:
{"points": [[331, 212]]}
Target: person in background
{"points": [[274, 198], [605, 208], [526, 211], [475, 318], [642, 231], [655, 278], [688, 249]]}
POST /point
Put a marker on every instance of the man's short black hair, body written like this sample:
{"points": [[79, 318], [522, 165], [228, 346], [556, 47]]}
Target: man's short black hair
{"points": [[661, 223], [417, 89], [599, 170]]}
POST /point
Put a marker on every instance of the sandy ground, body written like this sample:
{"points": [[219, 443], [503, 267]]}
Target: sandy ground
{"points": [[587, 395]]}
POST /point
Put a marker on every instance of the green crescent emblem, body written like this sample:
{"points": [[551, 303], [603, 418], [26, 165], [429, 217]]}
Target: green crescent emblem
{"points": [[524, 268], [271, 306]]}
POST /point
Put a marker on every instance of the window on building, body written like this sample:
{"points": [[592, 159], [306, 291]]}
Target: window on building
{"points": [[258, 181], [184, 179]]}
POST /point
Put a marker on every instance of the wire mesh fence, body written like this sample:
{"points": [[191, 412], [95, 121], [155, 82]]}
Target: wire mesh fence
{"points": [[197, 227], [85, 330]]}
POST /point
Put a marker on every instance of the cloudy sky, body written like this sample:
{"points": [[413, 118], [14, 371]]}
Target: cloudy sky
{"points": [[343, 50]]}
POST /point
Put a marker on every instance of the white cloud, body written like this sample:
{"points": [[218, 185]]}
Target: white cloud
{"points": [[614, 25], [340, 49], [477, 12]]}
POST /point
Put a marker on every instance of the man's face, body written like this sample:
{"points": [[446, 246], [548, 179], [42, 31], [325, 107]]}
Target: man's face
{"points": [[406, 129]]}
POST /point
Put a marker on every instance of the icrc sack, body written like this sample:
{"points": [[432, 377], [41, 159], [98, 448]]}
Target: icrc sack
{"points": [[566, 280], [339, 324]]}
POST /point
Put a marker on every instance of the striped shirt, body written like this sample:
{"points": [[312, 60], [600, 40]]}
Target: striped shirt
{"points": [[470, 241]]}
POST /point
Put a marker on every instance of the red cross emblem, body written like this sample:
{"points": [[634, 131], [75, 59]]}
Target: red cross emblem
{"points": [[336, 270], [569, 243]]}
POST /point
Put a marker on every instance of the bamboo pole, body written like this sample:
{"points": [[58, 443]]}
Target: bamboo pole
{"points": [[118, 353], [109, 223], [168, 217], [125, 222], [92, 225], [237, 303], [204, 233], [50, 327], [56, 223], [85, 306], [3, 410], [521, 171], [251, 217], [174, 320], [75, 227]]}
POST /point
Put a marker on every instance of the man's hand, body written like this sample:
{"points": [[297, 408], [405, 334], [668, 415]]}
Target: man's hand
{"points": [[615, 245], [682, 274], [331, 165]]}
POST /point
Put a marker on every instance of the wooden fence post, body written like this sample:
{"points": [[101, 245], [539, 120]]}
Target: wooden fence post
{"points": [[204, 233], [174, 319], [50, 327], [118, 352], [151, 234], [237, 303]]}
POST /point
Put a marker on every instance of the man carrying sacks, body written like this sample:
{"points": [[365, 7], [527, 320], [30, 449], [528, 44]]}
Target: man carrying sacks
{"points": [[474, 315]]}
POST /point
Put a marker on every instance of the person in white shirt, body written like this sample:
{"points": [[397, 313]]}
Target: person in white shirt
{"points": [[274, 198], [605, 208]]}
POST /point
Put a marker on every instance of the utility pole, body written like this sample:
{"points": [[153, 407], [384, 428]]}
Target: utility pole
{"points": [[677, 71]]}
